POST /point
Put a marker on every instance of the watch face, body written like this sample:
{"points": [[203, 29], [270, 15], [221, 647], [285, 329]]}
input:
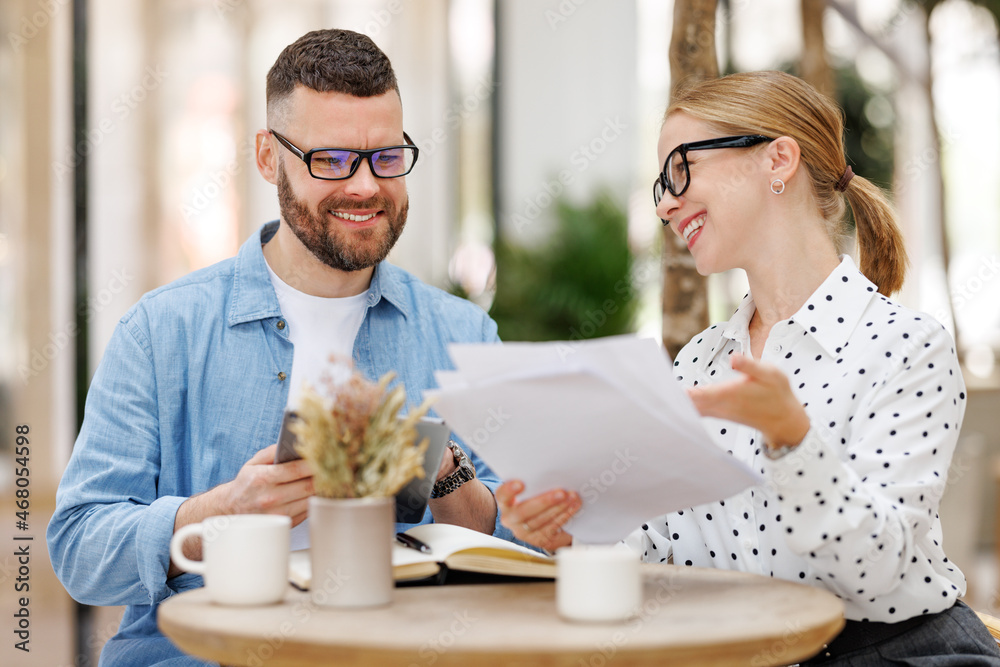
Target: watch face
{"points": [[462, 459]]}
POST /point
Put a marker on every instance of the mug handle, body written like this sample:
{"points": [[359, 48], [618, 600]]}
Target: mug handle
{"points": [[177, 548]]}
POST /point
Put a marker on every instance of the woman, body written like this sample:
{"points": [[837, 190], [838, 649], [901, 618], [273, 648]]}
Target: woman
{"points": [[847, 403]]}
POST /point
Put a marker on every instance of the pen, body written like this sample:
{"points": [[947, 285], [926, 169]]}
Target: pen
{"points": [[412, 542]]}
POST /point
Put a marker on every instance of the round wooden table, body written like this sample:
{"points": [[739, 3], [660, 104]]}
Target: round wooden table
{"points": [[689, 616]]}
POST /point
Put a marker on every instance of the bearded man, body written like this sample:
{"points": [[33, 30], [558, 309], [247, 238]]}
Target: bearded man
{"points": [[187, 403]]}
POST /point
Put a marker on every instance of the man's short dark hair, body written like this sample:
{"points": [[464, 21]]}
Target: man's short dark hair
{"points": [[335, 60]]}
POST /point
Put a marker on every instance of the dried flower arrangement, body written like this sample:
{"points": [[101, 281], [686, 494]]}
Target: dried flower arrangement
{"points": [[355, 441]]}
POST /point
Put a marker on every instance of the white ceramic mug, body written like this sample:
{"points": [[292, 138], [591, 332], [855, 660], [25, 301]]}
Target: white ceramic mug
{"points": [[598, 583], [244, 557]]}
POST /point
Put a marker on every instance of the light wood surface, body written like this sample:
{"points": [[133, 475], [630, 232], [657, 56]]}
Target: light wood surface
{"points": [[689, 616]]}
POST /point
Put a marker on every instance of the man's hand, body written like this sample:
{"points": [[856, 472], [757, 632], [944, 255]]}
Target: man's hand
{"points": [[263, 487], [447, 465], [260, 487], [538, 520]]}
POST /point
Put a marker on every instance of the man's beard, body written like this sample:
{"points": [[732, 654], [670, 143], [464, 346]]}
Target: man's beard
{"points": [[339, 249]]}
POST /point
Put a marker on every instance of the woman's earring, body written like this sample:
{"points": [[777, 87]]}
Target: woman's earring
{"points": [[777, 186]]}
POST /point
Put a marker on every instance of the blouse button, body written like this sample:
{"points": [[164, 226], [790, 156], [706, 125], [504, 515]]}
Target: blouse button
{"points": [[282, 376], [281, 324], [775, 348]]}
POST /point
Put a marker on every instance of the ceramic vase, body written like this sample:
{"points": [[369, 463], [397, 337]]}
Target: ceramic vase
{"points": [[351, 551]]}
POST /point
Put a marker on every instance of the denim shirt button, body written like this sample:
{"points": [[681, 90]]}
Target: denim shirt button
{"points": [[372, 299], [282, 376], [281, 324]]}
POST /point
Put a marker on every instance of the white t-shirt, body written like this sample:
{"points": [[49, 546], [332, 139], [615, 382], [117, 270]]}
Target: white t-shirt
{"points": [[318, 327]]}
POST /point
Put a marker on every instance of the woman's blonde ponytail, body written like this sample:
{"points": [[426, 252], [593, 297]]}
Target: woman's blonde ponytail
{"points": [[881, 253]]}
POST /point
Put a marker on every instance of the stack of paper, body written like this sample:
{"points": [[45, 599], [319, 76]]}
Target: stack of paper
{"points": [[604, 418]]}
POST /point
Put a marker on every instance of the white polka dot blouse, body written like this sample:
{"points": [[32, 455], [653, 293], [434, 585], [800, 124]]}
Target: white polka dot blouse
{"points": [[854, 508]]}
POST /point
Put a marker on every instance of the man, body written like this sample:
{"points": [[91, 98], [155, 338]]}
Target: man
{"points": [[189, 396]]}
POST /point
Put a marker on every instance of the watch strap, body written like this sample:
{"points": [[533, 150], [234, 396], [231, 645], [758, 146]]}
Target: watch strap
{"points": [[465, 472], [775, 452]]}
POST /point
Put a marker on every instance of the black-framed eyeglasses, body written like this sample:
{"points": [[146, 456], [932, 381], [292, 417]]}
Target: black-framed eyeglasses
{"points": [[336, 164], [676, 175]]}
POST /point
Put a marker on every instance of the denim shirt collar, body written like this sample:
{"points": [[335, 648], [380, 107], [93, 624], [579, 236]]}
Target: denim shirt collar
{"points": [[253, 295]]}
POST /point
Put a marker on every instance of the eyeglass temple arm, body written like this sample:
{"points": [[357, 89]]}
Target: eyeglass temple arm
{"points": [[287, 144]]}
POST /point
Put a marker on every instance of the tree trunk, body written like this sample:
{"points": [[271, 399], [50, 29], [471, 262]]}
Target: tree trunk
{"points": [[692, 59], [939, 184], [814, 66]]}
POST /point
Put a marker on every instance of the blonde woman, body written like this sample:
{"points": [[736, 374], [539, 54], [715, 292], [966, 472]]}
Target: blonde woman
{"points": [[848, 403]]}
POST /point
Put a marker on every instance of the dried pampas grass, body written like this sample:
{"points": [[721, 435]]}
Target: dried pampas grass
{"points": [[355, 441]]}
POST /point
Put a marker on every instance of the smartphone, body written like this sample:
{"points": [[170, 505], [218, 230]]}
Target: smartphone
{"points": [[287, 439]]}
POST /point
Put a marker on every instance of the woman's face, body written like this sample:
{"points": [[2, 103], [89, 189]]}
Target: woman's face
{"points": [[715, 216]]}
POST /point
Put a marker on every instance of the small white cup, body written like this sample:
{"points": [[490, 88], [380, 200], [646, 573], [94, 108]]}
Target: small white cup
{"points": [[244, 557], [598, 583]]}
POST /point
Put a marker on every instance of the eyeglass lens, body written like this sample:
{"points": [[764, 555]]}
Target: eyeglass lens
{"points": [[677, 173], [387, 163]]}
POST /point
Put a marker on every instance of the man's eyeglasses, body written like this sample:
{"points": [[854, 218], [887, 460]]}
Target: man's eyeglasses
{"points": [[335, 164], [676, 175]]}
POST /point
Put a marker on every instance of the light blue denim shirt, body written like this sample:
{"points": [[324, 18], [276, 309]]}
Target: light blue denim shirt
{"points": [[192, 384]]}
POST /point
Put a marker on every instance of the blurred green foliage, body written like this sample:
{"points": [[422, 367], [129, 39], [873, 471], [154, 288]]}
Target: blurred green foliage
{"points": [[576, 285], [869, 119]]}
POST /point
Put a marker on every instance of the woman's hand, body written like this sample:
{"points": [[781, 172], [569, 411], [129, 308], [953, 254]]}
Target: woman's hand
{"points": [[762, 399], [537, 520]]}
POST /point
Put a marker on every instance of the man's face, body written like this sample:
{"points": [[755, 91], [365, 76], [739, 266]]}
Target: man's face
{"points": [[349, 224]]}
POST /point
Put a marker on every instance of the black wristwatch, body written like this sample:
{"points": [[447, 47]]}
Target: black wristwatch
{"points": [[465, 472]]}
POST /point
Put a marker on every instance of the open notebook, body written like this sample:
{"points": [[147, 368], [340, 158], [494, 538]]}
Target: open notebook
{"points": [[452, 548]]}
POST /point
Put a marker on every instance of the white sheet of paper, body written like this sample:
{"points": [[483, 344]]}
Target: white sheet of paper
{"points": [[605, 418]]}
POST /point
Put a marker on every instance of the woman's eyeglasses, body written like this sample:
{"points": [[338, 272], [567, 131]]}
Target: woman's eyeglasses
{"points": [[676, 175]]}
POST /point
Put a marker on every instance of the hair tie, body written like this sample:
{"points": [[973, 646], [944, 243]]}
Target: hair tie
{"points": [[844, 180]]}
